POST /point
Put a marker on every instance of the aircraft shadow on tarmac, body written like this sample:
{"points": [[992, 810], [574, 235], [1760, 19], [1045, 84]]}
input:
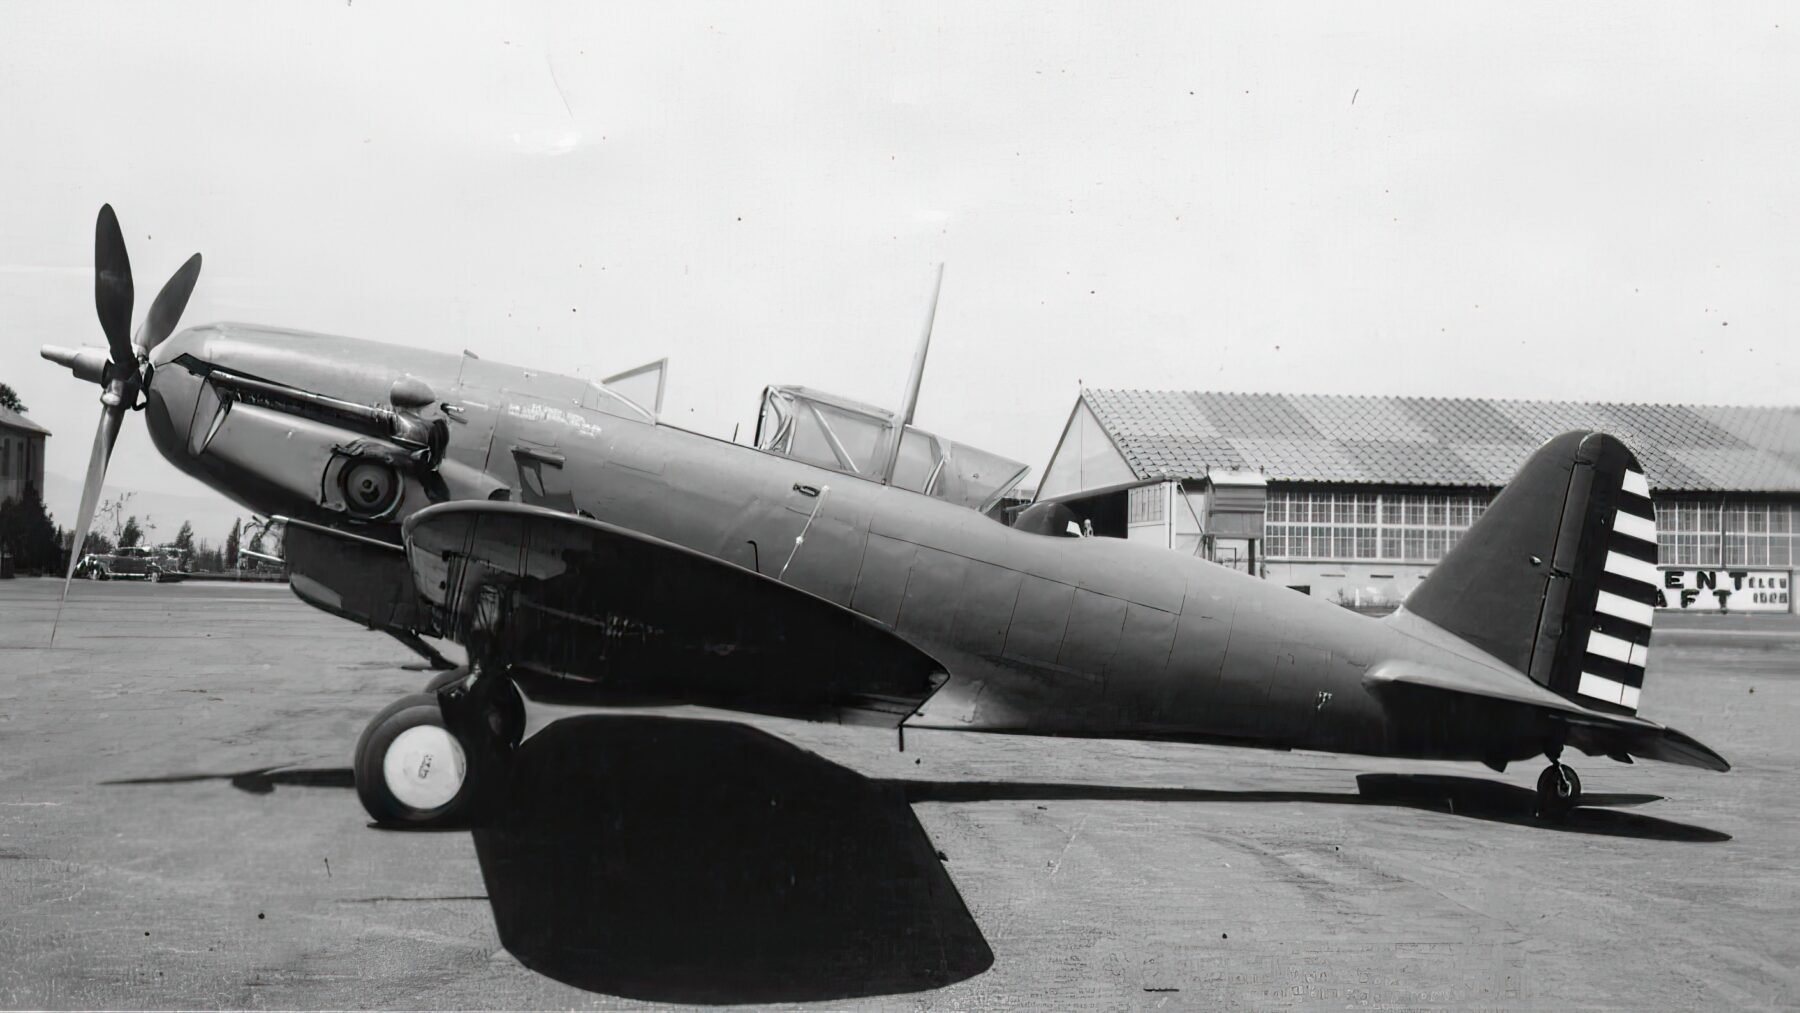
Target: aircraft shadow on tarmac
{"points": [[262, 780], [1473, 797], [693, 861]]}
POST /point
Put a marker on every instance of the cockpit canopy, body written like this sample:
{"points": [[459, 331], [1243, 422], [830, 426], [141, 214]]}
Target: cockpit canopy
{"points": [[843, 435]]}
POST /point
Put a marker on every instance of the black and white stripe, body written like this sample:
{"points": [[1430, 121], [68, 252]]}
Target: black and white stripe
{"points": [[1618, 645]]}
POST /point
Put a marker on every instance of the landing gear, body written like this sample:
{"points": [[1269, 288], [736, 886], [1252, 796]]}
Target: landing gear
{"points": [[1558, 790], [410, 770], [428, 759]]}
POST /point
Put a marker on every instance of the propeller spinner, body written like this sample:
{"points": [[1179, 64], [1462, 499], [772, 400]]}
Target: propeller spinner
{"points": [[122, 369]]}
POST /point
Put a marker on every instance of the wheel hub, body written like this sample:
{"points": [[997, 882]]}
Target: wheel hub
{"points": [[424, 767]]}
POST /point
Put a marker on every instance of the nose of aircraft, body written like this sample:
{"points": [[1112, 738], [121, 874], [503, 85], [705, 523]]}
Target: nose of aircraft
{"points": [[173, 392]]}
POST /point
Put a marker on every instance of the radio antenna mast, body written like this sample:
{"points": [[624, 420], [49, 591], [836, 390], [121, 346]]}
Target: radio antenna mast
{"points": [[909, 399]]}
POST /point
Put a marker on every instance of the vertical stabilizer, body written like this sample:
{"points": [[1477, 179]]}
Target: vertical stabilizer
{"points": [[1558, 578]]}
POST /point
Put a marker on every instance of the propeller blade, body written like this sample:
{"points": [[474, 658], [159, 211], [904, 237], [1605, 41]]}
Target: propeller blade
{"points": [[112, 285], [104, 437], [165, 312]]}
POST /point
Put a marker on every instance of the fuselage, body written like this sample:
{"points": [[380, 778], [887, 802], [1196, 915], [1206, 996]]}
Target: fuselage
{"points": [[1042, 634]]}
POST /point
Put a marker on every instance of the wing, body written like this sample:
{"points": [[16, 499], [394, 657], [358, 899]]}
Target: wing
{"points": [[361, 579], [1590, 731], [583, 610]]}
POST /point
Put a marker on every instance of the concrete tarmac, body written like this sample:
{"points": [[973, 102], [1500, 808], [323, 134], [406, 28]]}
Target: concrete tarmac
{"points": [[178, 829]]}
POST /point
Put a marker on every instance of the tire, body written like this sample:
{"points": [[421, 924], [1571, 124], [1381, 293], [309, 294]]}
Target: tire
{"points": [[411, 771], [1555, 798]]}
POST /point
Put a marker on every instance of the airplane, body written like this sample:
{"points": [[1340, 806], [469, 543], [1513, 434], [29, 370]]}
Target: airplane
{"points": [[844, 566]]}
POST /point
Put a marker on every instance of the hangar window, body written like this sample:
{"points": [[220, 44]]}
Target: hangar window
{"points": [[1688, 532], [1149, 504], [1747, 538], [1420, 527], [1731, 533]]}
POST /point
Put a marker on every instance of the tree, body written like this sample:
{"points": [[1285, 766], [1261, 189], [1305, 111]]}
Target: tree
{"points": [[27, 533], [131, 534], [208, 558], [111, 516], [184, 544], [94, 542], [265, 536], [231, 544], [10, 399]]}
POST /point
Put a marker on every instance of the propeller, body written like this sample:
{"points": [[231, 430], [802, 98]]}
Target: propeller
{"points": [[122, 369]]}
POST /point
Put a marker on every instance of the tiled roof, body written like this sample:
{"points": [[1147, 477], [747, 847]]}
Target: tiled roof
{"points": [[10, 419], [1439, 441]]}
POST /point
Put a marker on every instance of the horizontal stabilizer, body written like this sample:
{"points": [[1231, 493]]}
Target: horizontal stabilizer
{"points": [[1592, 732]]}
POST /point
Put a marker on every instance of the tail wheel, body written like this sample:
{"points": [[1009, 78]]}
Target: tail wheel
{"points": [[1558, 790], [411, 770]]}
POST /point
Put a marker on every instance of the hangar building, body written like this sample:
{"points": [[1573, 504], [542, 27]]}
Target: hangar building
{"points": [[1354, 498], [21, 455]]}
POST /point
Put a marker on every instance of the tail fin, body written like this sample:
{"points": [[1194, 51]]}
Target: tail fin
{"points": [[1558, 577]]}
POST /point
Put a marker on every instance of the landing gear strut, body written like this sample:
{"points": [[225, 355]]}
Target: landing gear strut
{"points": [[428, 760], [1558, 791]]}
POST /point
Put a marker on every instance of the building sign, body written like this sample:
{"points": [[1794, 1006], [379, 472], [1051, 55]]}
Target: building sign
{"points": [[1724, 590]]}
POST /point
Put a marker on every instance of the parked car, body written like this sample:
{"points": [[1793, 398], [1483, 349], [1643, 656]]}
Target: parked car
{"points": [[133, 562]]}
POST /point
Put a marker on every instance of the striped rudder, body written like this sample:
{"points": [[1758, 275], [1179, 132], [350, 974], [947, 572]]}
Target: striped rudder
{"points": [[1558, 578], [1617, 647]]}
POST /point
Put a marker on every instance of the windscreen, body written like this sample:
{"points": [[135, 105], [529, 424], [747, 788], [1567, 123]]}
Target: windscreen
{"points": [[842, 435]]}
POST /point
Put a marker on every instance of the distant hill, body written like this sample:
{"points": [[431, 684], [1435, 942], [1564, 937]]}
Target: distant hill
{"points": [[211, 515]]}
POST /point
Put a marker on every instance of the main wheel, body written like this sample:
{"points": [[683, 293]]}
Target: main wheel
{"points": [[1559, 790], [411, 770]]}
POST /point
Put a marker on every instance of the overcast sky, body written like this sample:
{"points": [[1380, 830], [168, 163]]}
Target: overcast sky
{"points": [[1552, 201]]}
